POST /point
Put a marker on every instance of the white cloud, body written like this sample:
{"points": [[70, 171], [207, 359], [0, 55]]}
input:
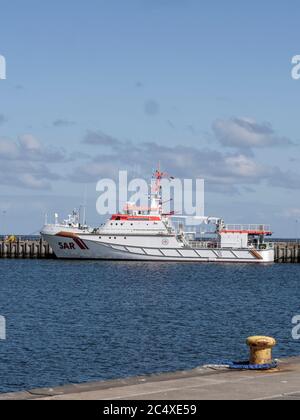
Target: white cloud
{"points": [[31, 181], [243, 166], [24, 163], [26, 175], [98, 138], [224, 172], [8, 149], [29, 148], [246, 133], [29, 143]]}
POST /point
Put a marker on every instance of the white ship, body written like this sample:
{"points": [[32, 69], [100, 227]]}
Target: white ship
{"points": [[147, 234]]}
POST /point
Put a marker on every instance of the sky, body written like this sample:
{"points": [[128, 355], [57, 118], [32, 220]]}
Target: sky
{"points": [[98, 86]]}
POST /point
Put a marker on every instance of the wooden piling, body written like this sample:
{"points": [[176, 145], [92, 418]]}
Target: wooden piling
{"points": [[287, 252], [26, 249]]}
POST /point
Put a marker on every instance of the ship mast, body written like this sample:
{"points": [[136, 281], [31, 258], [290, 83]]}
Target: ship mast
{"points": [[156, 190]]}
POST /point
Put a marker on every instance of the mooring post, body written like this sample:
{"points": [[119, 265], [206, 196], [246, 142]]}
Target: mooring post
{"points": [[261, 349]]}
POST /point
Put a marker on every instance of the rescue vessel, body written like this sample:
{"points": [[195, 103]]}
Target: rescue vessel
{"points": [[148, 234]]}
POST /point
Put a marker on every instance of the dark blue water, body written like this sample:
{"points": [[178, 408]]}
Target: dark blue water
{"points": [[85, 321]]}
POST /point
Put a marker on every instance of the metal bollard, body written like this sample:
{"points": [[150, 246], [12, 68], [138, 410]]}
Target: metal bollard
{"points": [[261, 349]]}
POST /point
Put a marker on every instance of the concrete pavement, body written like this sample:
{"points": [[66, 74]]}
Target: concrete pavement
{"points": [[198, 384]]}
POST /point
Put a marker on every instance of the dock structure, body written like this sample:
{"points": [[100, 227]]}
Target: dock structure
{"points": [[25, 249], [285, 252], [203, 383]]}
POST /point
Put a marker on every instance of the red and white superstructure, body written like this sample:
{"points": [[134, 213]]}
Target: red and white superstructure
{"points": [[147, 234]]}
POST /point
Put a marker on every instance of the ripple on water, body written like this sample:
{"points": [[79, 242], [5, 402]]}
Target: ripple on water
{"points": [[84, 321]]}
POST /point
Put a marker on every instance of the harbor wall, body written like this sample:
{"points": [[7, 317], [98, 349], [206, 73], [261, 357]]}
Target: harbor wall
{"points": [[19, 248], [285, 252]]}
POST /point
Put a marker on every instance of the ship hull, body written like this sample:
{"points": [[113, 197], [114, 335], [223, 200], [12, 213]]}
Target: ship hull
{"points": [[90, 248]]}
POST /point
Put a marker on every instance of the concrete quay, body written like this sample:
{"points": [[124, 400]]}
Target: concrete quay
{"points": [[199, 384], [25, 249], [285, 252]]}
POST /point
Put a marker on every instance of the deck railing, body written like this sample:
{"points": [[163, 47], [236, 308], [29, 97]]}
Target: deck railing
{"points": [[248, 228], [216, 244]]}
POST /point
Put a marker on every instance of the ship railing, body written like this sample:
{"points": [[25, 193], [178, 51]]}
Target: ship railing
{"points": [[248, 228], [216, 244]]}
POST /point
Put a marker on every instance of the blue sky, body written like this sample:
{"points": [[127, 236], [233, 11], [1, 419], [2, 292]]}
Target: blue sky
{"points": [[205, 87]]}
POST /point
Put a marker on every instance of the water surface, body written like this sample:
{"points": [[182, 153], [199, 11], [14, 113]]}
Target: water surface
{"points": [[85, 321]]}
